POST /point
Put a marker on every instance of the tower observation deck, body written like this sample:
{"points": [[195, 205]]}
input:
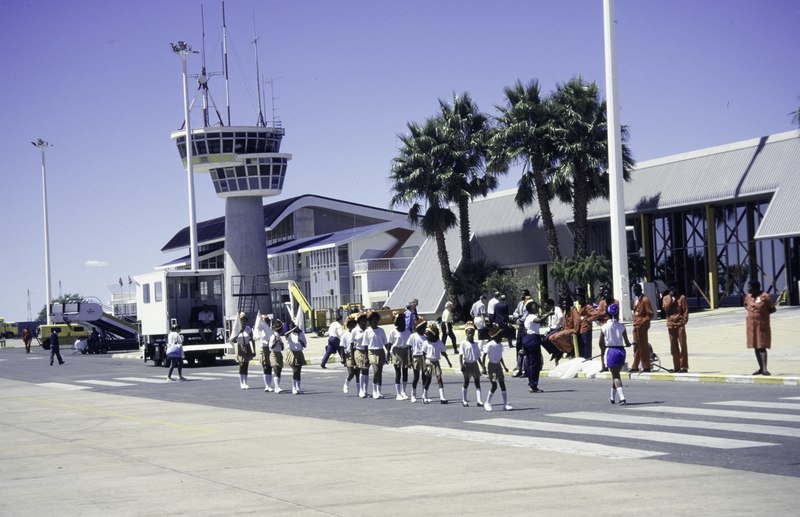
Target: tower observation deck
{"points": [[245, 164]]}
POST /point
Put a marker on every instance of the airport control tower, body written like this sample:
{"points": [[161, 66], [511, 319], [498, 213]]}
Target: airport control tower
{"points": [[245, 164]]}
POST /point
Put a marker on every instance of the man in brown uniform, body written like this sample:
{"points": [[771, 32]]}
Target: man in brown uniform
{"points": [[677, 314], [642, 316], [759, 336], [563, 338]]}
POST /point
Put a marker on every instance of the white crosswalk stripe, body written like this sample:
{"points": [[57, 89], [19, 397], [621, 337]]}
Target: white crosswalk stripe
{"points": [[689, 424], [112, 384], [637, 434], [529, 442], [63, 386], [790, 398], [757, 405], [220, 374], [724, 413], [149, 380]]}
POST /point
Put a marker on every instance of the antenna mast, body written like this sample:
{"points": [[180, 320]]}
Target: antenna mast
{"points": [[260, 121], [202, 80], [225, 62]]}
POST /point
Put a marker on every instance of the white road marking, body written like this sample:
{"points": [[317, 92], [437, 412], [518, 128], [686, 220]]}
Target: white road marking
{"points": [[219, 374], [634, 434], [528, 442], [675, 422], [149, 380], [112, 384], [62, 386], [724, 413], [758, 405], [790, 398]]}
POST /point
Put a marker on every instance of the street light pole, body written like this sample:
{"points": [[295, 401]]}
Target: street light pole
{"points": [[43, 145], [616, 201], [184, 49]]}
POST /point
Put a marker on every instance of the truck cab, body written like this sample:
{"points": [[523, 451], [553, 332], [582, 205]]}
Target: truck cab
{"points": [[8, 329]]}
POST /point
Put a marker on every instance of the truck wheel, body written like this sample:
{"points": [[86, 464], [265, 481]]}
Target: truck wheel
{"points": [[84, 351]]}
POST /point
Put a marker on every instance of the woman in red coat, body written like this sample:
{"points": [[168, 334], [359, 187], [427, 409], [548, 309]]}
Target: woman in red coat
{"points": [[759, 306]]}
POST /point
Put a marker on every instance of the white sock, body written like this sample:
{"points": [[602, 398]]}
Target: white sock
{"points": [[397, 389], [489, 398], [277, 383], [463, 394], [424, 393], [241, 380], [244, 379], [613, 394], [505, 397], [478, 395], [621, 395], [441, 393], [266, 383]]}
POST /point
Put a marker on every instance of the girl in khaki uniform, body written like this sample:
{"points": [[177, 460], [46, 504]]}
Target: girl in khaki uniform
{"points": [[276, 354]]}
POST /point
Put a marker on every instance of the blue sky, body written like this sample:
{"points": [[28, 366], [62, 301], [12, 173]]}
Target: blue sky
{"points": [[98, 80]]}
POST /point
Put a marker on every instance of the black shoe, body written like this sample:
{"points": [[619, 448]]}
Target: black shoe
{"points": [[766, 373], [684, 370], [634, 370], [603, 370], [444, 401], [517, 375], [759, 372], [323, 366], [646, 370], [535, 390]]}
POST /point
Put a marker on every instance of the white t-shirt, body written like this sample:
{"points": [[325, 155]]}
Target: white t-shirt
{"points": [[399, 339], [490, 305], [335, 329], [433, 351], [375, 338], [612, 332], [296, 340], [357, 338], [470, 351], [493, 351], [417, 344], [531, 325]]}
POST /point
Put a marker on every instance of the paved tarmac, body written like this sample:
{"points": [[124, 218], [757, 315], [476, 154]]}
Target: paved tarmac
{"points": [[93, 453]]}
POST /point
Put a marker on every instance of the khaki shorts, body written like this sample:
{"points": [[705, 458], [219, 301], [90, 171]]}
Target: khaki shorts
{"points": [[432, 368], [377, 358], [265, 362], [418, 362], [471, 371], [295, 358], [400, 357], [276, 358], [362, 360], [495, 371]]}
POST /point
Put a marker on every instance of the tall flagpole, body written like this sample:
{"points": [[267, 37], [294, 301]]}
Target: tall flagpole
{"points": [[43, 145], [184, 49], [616, 201]]}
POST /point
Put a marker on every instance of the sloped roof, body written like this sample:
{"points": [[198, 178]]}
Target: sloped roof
{"points": [[213, 230], [741, 170], [507, 236]]}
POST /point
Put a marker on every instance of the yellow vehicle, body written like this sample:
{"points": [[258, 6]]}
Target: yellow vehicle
{"points": [[8, 329], [67, 334]]}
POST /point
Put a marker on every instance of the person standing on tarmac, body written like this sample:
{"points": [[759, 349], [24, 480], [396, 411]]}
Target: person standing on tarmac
{"points": [[470, 361], [346, 346], [616, 340], [677, 313], [175, 352], [244, 349], [26, 339], [642, 316], [55, 351], [494, 352], [433, 350], [398, 339], [296, 359], [759, 336]]}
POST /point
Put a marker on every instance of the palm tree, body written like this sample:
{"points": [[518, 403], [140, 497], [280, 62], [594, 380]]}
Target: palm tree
{"points": [[467, 132], [416, 177], [579, 131], [522, 136]]}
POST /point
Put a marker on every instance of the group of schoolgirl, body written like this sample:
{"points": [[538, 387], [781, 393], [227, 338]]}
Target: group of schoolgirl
{"points": [[275, 350], [364, 345]]}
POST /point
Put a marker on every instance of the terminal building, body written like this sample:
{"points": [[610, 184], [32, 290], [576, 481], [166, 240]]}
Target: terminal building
{"points": [[337, 252], [709, 221]]}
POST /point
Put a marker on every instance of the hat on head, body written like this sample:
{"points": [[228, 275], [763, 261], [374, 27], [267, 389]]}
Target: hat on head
{"points": [[613, 309], [432, 331], [371, 315], [420, 324], [495, 331], [469, 326], [361, 315], [277, 325]]}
